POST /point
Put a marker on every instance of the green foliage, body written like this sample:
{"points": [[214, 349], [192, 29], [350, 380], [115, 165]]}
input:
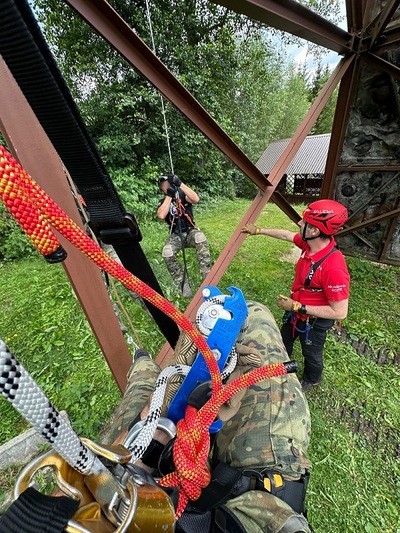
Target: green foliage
{"points": [[43, 324], [329, 9], [325, 120], [13, 241], [232, 67]]}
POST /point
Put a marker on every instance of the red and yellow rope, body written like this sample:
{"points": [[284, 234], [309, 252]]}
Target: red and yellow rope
{"points": [[37, 214]]}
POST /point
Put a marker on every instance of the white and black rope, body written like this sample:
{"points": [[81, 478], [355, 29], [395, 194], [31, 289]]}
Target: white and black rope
{"points": [[21, 390], [144, 437]]}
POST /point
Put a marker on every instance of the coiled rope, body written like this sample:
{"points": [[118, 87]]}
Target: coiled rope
{"points": [[37, 214]]}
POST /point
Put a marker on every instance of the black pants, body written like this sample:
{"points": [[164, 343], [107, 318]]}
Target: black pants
{"points": [[312, 350]]}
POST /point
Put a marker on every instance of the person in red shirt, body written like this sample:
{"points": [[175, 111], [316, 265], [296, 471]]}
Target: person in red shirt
{"points": [[320, 290]]}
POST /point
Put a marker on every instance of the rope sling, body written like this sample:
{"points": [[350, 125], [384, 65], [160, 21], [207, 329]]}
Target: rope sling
{"points": [[38, 215]]}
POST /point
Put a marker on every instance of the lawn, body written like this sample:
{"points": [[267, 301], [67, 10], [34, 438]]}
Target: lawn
{"points": [[355, 445]]}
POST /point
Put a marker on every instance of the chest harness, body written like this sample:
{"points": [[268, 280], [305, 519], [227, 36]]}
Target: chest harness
{"points": [[178, 214], [307, 282]]}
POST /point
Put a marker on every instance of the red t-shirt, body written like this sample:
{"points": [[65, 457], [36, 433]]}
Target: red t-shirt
{"points": [[331, 276]]}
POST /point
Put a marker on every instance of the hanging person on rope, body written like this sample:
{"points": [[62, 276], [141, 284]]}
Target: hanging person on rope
{"points": [[177, 210], [320, 290], [257, 472], [258, 462]]}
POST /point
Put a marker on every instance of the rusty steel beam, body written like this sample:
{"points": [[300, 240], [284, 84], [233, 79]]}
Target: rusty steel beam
{"points": [[370, 222], [376, 27], [354, 10], [361, 168], [389, 235], [378, 191], [32, 148], [382, 64], [390, 37], [339, 129], [367, 19], [292, 17], [107, 23], [284, 206]]}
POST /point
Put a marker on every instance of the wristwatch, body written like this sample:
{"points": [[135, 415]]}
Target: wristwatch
{"points": [[302, 310]]}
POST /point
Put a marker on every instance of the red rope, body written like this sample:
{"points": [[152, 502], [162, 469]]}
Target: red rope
{"points": [[37, 213]]}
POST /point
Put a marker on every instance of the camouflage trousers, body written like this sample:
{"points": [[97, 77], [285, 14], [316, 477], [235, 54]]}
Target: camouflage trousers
{"points": [[192, 239], [270, 426]]}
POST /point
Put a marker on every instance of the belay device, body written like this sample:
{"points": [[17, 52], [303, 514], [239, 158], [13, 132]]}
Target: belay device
{"points": [[220, 318]]}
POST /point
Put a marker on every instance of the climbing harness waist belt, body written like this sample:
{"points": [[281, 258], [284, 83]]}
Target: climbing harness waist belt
{"points": [[177, 231], [227, 483]]}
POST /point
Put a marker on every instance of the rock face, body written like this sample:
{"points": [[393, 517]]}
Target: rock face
{"points": [[372, 148]]}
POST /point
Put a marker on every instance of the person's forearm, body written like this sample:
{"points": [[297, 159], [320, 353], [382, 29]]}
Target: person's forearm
{"points": [[282, 234], [190, 194], [163, 210], [326, 311]]}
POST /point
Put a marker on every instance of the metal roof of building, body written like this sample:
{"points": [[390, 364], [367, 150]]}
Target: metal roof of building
{"points": [[310, 158]]}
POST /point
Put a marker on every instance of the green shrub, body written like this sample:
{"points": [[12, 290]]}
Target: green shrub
{"points": [[13, 241]]}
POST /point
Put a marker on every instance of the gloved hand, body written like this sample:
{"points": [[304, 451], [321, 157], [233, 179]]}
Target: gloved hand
{"points": [[287, 304], [251, 229], [174, 180], [171, 192]]}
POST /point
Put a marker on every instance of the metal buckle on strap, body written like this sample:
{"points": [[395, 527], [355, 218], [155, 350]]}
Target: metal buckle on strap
{"points": [[267, 479], [122, 234]]}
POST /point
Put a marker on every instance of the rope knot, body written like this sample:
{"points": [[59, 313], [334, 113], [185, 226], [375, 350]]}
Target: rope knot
{"points": [[190, 452]]}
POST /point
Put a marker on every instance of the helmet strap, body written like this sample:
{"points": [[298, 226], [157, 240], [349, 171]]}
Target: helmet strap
{"points": [[303, 234]]}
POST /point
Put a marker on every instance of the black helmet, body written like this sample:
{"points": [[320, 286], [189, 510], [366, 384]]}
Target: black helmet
{"points": [[163, 178]]}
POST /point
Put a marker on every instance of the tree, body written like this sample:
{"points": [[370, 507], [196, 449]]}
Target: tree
{"points": [[229, 63], [123, 111], [325, 119]]}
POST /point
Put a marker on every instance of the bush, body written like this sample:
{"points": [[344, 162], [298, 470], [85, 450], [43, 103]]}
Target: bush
{"points": [[13, 241]]}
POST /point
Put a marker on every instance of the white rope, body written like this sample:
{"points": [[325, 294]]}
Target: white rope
{"points": [[161, 97], [143, 439], [21, 390]]}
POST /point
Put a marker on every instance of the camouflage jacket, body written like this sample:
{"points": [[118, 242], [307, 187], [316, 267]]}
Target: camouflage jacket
{"points": [[269, 427]]}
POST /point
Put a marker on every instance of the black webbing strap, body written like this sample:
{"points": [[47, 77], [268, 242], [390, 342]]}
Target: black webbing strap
{"points": [[314, 268], [34, 512], [219, 490], [227, 483], [29, 59]]}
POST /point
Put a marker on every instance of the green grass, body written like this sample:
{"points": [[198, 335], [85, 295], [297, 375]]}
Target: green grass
{"points": [[355, 444]]}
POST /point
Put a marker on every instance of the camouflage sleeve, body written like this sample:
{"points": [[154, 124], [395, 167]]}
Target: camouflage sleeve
{"points": [[142, 378], [261, 512], [270, 429], [272, 426]]}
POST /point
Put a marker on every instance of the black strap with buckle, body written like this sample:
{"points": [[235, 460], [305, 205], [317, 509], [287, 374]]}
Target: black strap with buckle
{"points": [[292, 492], [314, 268]]}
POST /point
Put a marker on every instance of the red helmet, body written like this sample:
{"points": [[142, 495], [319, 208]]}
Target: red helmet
{"points": [[328, 216]]}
